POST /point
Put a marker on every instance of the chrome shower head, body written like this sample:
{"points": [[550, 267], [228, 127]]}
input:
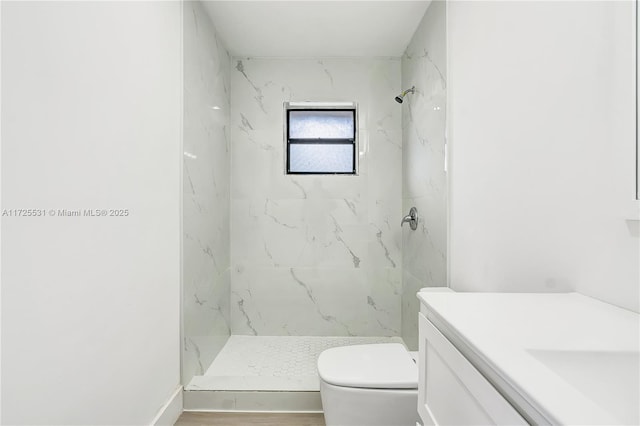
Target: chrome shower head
{"points": [[401, 96]]}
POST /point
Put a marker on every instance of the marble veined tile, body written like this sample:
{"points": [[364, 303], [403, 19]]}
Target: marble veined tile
{"points": [[206, 192], [319, 254], [424, 250], [315, 302]]}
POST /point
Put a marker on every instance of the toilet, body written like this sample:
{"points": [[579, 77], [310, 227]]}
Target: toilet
{"points": [[372, 385]]}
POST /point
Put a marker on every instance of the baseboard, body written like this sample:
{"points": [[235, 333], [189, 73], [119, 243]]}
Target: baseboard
{"points": [[169, 413]]}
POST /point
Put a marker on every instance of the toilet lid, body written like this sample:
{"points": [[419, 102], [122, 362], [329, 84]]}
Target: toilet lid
{"points": [[380, 366]]}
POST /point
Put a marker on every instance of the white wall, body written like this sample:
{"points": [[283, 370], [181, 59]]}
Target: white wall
{"points": [[0, 219], [424, 260], [206, 189], [91, 119], [315, 255], [542, 119]]}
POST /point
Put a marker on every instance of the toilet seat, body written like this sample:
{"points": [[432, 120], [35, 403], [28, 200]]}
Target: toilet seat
{"points": [[376, 366]]}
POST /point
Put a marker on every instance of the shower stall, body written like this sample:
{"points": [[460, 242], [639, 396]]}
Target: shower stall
{"points": [[278, 267]]}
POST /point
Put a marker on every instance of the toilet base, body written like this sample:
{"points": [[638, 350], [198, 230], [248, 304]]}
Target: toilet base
{"points": [[345, 406]]}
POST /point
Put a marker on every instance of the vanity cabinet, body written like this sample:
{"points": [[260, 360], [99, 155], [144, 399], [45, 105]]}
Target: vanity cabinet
{"points": [[513, 358], [451, 390]]}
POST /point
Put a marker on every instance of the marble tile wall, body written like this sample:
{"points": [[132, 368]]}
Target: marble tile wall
{"points": [[315, 255], [206, 192], [424, 178]]}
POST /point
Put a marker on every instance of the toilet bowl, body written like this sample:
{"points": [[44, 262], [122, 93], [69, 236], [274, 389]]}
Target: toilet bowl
{"points": [[369, 385]]}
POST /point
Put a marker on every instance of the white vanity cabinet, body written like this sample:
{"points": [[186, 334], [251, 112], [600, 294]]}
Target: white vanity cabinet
{"points": [[451, 390], [513, 358]]}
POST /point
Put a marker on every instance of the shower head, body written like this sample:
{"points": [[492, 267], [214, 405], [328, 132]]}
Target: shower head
{"points": [[401, 96]]}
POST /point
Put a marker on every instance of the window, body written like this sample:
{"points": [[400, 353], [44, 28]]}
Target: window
{"points": [[321, 138]]}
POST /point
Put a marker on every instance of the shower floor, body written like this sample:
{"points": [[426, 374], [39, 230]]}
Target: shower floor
{"points": [[272, 363]]}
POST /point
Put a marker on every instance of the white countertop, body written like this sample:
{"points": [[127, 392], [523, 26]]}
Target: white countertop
{"points": [[560, 358]]}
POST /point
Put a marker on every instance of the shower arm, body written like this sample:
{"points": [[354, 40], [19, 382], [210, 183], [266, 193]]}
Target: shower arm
{"points": [[401, 96], [412, 91]]}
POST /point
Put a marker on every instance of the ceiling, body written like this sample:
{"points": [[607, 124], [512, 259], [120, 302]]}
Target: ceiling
{"points": [[327, 28]]}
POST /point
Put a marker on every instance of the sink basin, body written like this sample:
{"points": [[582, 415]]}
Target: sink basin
{"points": [[610, 379]]}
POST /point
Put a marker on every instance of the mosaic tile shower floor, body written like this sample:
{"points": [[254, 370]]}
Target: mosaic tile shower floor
{"points": [[275, 363]]}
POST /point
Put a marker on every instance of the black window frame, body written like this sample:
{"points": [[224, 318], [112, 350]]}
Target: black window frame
{"points": [[325, 141]]}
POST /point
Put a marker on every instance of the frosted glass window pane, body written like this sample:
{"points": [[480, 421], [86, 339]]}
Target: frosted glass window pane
{"points": [[321, 158], [321, 124]]}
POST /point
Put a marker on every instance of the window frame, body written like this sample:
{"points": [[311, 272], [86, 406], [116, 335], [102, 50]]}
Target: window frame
{"points": [[320, 106]]}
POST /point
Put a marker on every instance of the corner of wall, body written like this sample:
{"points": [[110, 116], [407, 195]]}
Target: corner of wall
{"points": [[171, 410]]}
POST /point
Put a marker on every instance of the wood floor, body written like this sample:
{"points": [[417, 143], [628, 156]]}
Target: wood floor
{"points": [[247, 419]]}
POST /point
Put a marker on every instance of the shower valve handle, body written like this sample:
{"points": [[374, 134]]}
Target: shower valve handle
{"points": [[412, 218]]}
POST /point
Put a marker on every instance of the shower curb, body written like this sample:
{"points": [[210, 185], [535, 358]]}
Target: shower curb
{"points": [[260, 401]]}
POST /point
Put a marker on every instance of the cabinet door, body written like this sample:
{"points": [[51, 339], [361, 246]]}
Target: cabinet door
{"points": [[451, 390]]}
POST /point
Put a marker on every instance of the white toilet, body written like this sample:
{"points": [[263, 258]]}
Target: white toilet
{"points": [[369, 385]]}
